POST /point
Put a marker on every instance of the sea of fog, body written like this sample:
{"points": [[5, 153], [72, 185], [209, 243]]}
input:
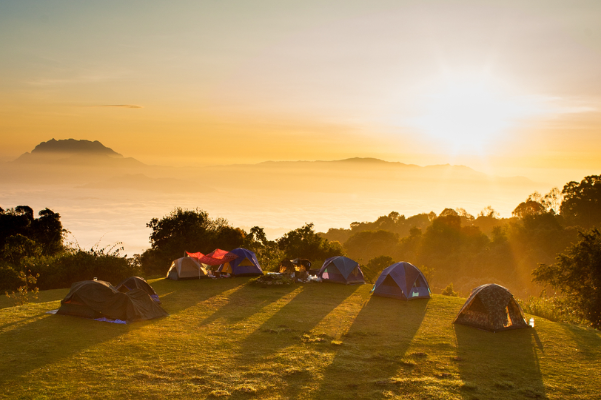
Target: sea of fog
{"points": [[104, 218]]}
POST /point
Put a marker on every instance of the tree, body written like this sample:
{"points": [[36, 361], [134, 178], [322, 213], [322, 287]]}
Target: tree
{"points": [[305, 243], [267, 251], [577, 274], [369, 244], [187, 230], [581, 204], [375, 266], [553, 200], [528, 207], [46, 231]]}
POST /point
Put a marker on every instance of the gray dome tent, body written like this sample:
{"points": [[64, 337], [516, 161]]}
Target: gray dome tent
{"points": [[186, 268], [96, 299], [341, 269], [491, 307], [136, 282]]}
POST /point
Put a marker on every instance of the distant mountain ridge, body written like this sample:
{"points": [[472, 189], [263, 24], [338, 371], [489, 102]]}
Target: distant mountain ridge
{"points": [[73, 146], [73, 152]]}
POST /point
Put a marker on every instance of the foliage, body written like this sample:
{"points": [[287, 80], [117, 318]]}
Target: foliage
{"points": [[305, 243], [46, 230], [528, 208], [267, 251], [74, 265], [366, 245], [9, 277], [187, 230], [557, 308], [577, 274], [22, 294], [375, 266], [448, 291], [581, 204], [272, 280]]}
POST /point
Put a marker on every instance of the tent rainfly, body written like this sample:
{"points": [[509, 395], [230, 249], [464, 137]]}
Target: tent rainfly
{"points": [[136, 282], [214, 258], [402, 281], [491, 307], [186, 268], [97, 299], [245, 264], [341, 269]]}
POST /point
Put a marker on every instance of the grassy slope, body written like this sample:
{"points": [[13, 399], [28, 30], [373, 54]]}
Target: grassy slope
{"points": [[319, 341]]}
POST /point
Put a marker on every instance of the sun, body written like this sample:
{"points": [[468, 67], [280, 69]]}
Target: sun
{"points": [[468, 115]]}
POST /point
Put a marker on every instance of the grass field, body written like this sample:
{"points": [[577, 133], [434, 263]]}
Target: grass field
{"points": [[227, 339]]}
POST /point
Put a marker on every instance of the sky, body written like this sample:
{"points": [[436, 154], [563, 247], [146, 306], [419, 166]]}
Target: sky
{"points": [[506, 87]]}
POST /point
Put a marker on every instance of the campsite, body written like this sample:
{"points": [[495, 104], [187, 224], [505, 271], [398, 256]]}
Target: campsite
{"points": [[228, 339], [313, 200]]}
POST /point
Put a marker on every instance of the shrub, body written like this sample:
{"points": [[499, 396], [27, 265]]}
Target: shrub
{"points": [[23, 292], [448, 291], [558, 309], [374, 267], [77, 265]]}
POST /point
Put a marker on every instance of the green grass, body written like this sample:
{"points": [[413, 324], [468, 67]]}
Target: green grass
{"points": [[227, 339]]}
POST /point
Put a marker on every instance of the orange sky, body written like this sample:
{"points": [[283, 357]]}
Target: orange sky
{"points": [[502, 86]]}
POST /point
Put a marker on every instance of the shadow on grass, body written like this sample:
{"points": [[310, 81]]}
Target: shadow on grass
{"points": [[49, 340], [499, 365], [299, 316], [245, 302], [177, 296], [588, 341], [373, 350], [44, 296]]}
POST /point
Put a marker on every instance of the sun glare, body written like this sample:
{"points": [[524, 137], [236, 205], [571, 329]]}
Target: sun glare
{"points": [[467, 115]]}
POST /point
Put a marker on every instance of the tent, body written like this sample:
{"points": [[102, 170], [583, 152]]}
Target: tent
{"points": [[97, 299], [402, 281], [186, 268], [135, 282], [341, 269], [214, 258], [491, 307], [245, 264]]}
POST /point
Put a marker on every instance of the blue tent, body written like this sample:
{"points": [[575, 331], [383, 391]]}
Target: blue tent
{"points": [[402, 281], [341, 269], [246, 264]]}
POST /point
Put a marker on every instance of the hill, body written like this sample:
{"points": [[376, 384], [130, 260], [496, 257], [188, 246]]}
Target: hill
{"points": [[72, 152], [322, 341]]}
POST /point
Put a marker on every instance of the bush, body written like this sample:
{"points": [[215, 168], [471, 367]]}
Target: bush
{"points": [[77, 265], [577, 275], [448, 291], [22, 294], [374, 267], [9, 277], [558, 309]]}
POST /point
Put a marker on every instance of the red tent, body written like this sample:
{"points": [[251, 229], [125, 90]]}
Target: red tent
{"points": [[216, 257]]}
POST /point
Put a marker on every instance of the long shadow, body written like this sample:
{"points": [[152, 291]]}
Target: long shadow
{"points": [[294, 321], [177, 296], [245, 302], [373, 350], [48, 340], [588, 341], [499, 365]]}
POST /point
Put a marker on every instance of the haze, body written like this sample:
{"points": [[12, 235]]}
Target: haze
{"points": [[506, 88]]}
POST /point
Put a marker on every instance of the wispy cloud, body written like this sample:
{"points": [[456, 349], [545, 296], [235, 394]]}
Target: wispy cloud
{"points": [[119, 105]]}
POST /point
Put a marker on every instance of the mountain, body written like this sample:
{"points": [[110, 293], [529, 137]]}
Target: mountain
{"points": [[72, 152], [72, 146]]}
